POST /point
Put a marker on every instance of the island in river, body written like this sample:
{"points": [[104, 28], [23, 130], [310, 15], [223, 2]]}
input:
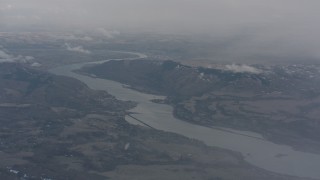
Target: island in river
{"points": [[175, 80], [55, 127], [280, 102]]}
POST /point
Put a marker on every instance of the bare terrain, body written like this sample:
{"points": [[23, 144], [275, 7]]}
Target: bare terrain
{"points": [[55, 127], [280, 102]]}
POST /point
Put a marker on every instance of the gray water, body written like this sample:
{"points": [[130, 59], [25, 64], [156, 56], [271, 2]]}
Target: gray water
{"points": [[256, 150]]}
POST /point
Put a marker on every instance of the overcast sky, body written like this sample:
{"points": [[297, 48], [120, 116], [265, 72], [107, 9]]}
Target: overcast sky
{"points": [[294, 23]]}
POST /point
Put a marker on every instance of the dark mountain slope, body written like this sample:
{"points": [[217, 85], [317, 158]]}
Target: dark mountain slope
{"points": [[280, 102], [54, 127]]}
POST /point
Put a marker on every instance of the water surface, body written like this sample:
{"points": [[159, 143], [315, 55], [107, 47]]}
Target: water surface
{"points": [[256, 150]]}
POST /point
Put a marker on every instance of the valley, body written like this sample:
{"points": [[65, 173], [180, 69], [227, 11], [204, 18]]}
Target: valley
{"points": [[281, 102]]}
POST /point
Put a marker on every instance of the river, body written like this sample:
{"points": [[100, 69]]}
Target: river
{"points": [[255, 149]]}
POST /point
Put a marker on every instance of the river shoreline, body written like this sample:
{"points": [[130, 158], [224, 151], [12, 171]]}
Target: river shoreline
{"points": [[264, 154]]}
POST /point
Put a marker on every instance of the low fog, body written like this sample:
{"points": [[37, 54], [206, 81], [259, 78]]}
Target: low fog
{"points": [[274, 27]]}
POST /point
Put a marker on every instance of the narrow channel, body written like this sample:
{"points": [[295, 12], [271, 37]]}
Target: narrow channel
{"points": [[255, 149]]}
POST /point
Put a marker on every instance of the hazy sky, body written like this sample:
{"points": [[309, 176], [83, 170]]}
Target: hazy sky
{"points": [[294, 23], [193, 15]]}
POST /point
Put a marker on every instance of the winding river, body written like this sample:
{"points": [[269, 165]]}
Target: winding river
{"points": [[255, 149]]}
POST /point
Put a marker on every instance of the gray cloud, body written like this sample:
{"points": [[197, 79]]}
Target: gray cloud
{"points": [[107, 33], [36, 64], [179, 15], [274, 27], [4, 55], [242, 69], [79, 49], [7, 57], [73, 37]]}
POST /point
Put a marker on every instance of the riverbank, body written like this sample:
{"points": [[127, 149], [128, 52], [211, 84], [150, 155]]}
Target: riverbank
{"points": [[164, 152], [265, 154]]}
